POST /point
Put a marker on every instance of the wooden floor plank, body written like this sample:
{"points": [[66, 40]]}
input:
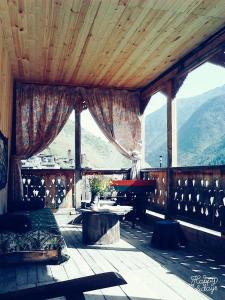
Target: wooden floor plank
{"points": [[184, 262], [58, 273], [151, 273]]}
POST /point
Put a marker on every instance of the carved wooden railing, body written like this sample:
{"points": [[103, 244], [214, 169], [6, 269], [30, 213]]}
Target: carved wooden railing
{"points": [[157, 200], [55, 187], [199, 195]]}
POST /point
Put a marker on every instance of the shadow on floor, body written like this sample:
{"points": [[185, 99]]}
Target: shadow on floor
{"points": [[191, 265]]}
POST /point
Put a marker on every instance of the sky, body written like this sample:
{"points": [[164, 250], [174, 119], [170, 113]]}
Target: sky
{"points": [[202, 79], [199, 81]]}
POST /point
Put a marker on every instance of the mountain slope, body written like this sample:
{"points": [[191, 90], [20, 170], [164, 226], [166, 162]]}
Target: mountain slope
{"points": [[200, 125], [100, 154], [214, 154], [204, 128]]}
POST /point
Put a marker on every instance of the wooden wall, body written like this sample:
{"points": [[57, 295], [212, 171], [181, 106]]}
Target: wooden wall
{"points": [[6, 89]]}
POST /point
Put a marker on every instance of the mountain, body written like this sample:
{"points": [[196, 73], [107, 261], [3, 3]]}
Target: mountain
{"points": [[204, 129], [201, 128], [97, 153], [214, 154]]}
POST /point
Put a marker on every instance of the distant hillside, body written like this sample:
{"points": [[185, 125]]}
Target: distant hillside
{"points": [[214, 154], [99, 153], [201, 128]]}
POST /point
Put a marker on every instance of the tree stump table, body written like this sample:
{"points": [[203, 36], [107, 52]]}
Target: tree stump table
{"points": [[100, 228]]}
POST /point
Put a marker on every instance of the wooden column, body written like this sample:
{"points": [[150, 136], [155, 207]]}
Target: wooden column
{"points": [[78, 177], [171, 90], [171, 128], [171, 146]]}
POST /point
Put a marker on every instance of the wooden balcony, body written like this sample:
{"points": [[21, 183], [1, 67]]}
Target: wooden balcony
{"points": [[150, 273]]}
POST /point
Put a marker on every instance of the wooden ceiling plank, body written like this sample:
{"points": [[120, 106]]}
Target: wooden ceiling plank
{"points": [[52, 38], [39, 37], [61, 27], [16, 25], [209, 8], [103, 28], [152, 42], [192, 23], [196, 57], [176, 6], [22, 33], [64, 36], [83, 37], [107, 58], [166, 48], [162, 28], [73, 50], [85, 46], [154, 58], [44, 10], [178, 52], [8, 32], [47, 30], [70, 37], [124, 30], [31, 35], [104, 42]]}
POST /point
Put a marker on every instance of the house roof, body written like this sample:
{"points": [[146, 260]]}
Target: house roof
{"points": [[109, 43]]}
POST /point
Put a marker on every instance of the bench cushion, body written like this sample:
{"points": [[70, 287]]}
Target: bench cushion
{"points": [[44, 234]]}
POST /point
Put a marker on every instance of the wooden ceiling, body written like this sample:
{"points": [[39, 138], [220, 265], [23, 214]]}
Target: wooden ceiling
{"points": [[110, 43]]}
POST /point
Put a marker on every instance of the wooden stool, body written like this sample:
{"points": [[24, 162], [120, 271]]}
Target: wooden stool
{"points": [[167, 235]]}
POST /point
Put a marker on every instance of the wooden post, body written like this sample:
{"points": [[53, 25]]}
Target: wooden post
{"points": [[171, 90], [78, 177], [171, 128], [171, 142]]}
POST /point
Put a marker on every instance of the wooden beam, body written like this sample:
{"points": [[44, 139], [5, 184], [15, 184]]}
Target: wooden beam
{"points": [[78, 176], [218, 59], [72, 289], [59, 83], [196, 57]]}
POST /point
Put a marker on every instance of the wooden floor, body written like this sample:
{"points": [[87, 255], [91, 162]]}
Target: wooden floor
{"points": [[150, 273]]}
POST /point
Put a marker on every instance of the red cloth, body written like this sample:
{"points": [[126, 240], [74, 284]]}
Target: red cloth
{"points": [[133, 182]]}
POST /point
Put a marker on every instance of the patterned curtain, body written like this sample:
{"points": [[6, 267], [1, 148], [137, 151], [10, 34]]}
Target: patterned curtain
{"points": [[117, 113], [41, 113]]}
